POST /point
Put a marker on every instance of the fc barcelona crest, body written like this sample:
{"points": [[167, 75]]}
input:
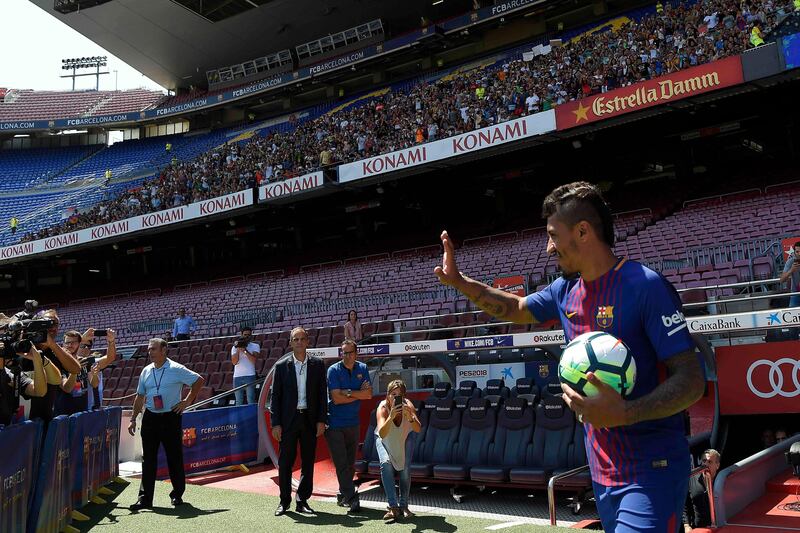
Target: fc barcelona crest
{"points": [[605, 316], [544, 371], [189, 437]]}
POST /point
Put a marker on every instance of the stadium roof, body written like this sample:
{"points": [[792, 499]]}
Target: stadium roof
{"points": [[174, 43]]}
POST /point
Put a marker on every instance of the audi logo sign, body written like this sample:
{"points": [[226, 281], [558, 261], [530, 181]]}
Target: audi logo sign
{"points": [[776, 380], [759, 378]]}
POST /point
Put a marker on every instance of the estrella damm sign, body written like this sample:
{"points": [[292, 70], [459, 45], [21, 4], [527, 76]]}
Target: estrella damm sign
{"points": [[676, 86]]}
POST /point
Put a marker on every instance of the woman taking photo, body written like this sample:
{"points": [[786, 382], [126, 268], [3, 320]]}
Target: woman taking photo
{"points": [[396, 421]]}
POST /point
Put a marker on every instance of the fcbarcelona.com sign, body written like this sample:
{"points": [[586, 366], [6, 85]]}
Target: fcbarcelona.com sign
{"points": [[206, 208], [473, 141], [684, 84]]}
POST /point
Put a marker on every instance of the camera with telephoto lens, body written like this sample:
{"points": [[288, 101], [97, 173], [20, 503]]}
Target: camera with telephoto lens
{"points": [[793, 458], [22, 331], [242, 342]]}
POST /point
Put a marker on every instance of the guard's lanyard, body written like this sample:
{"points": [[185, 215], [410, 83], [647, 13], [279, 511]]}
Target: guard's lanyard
{"points": [[158, 382]]}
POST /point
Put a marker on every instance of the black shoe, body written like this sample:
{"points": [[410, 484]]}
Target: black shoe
{"points": [[302, 507], [339, 500], [139, 505], [177, 501], [354, 507], [281, 510]]}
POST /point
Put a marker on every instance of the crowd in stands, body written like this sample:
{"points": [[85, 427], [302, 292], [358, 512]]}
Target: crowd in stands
{"points": [[675, 37]]}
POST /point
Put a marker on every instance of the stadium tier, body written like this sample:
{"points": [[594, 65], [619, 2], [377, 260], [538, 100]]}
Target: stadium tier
{"points": [[29, 105], [501, 88], [402, 285], [20, 170]]}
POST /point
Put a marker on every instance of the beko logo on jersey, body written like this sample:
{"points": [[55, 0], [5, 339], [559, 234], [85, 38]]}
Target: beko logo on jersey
{"points": [[677, 319], [673, 320]]}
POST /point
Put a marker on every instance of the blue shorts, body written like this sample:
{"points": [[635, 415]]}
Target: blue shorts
{"points": [[634, 508]]}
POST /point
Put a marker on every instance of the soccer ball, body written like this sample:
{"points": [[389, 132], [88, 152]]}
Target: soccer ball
{"points": [[603, 354]]}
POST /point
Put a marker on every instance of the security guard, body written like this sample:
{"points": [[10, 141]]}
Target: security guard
{"points": [[159, 390]]}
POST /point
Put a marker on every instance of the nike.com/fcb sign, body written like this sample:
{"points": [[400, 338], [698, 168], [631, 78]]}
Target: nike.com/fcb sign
{"points": [[682, 84]]}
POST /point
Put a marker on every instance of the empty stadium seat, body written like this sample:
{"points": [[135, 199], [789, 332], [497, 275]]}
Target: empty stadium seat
{"points": [[472, 448], [468, 389], [369, 453], [512, 438], [496, 387], [439, 441], [576, 458], [526, 386], [549, 451]]}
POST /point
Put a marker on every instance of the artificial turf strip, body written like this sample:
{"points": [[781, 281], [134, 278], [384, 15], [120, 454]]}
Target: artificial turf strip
{"points": [[211, 510]]}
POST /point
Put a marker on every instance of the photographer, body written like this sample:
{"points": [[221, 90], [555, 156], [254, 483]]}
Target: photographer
{"points": [[243, 357], [78, 388], [396, 420], [42, 407], [14, 383]]}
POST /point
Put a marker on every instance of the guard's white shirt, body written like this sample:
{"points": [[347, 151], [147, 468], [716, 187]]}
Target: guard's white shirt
{"points": [[301, 373]]}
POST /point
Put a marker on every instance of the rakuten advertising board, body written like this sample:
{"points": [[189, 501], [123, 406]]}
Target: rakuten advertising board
{"points": [[206, 208], [513, 130]]}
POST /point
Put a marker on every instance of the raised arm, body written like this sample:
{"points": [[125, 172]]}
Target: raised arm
{"points": [[496, 302]]}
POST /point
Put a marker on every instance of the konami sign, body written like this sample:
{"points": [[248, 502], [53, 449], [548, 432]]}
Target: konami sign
{"points": [[213, 206], [481, 139], [282, 189]]}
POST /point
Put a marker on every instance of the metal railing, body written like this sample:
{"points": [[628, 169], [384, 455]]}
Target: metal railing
{"points": [[551, 490]]}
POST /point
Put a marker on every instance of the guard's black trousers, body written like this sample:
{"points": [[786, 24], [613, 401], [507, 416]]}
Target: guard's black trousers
{"points": [[158, 429]]}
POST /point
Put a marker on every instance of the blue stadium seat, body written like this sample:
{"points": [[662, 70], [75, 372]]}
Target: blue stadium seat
{"points": [[576, 458], [369, 453], [468, 388], [526, 386], [440, 438], [553, 388], [551, 439], [477, 431], [441, 391], [494, 400], [512, 438], [496, 387]]}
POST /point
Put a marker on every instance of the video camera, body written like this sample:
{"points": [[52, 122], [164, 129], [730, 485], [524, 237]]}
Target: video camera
{"points": [[242, 342], [22, 331]]}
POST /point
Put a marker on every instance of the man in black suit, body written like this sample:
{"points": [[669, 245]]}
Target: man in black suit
{"points": [[298, 411]]}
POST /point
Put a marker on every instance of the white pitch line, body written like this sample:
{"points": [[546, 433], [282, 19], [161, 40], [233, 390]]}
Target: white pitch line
{"points": [[505, 525]]}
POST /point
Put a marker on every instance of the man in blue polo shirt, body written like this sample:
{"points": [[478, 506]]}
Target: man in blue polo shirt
{"points": [[348, 384]]}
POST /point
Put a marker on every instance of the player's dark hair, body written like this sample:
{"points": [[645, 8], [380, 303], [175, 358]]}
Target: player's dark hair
{"points": [[579, 201]]}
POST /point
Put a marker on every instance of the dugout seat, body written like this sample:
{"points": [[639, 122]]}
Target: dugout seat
{"points": [[368, 451], [472, 448], [549, 451], [496, 387], [512, 438], [526, 386], [444, 425]]}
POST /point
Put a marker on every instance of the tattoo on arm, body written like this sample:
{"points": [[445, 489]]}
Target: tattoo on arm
{"points": [[682, 388], [495, 306]]}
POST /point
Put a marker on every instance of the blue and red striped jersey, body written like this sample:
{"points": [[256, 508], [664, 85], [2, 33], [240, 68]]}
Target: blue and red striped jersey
{"points": [[639, 306]]}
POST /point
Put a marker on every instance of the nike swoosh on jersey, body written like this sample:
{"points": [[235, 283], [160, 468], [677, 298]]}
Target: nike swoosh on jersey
{"points": [[572, 314]]}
